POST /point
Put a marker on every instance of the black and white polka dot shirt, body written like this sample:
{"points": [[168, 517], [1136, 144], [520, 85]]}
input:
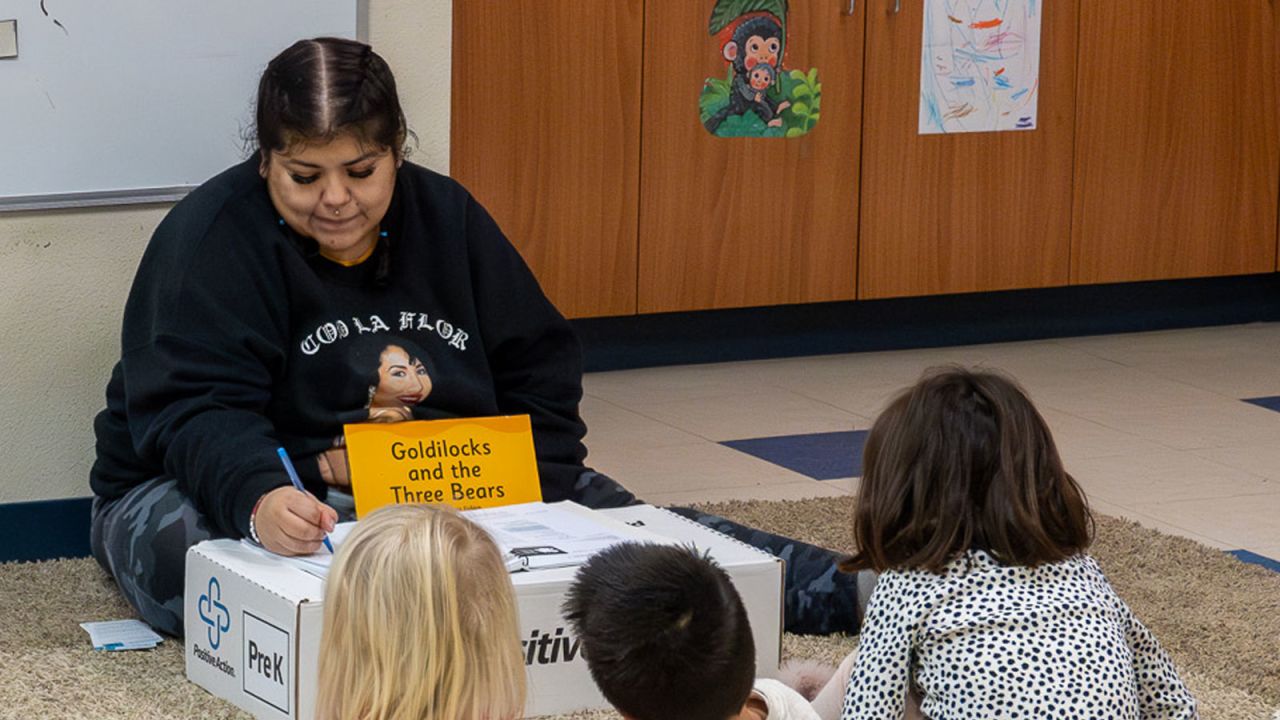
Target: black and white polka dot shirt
{"points": [[984, 640]]}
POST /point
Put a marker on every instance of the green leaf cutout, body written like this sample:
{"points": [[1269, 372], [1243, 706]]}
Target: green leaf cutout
{"points": [[726, 11]]}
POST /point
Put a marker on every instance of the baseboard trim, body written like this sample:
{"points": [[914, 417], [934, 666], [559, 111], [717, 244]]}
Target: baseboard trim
{"points": [[44, 529], [618, 343]]}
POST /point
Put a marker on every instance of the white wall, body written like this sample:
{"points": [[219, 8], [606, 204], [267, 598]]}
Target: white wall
{"points": [[64, 276]]}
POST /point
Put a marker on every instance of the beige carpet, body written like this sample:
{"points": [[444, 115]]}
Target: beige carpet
{"points": [[1219, 618]]}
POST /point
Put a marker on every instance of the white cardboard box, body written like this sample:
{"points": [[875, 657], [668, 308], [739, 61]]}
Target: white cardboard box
{"points": [[253, 621]]}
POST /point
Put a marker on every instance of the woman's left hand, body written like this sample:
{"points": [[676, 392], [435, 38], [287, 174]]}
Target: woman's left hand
{"points": [[333, 467]]}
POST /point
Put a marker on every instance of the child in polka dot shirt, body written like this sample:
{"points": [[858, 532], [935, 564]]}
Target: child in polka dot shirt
{"points": [[987, 605]]}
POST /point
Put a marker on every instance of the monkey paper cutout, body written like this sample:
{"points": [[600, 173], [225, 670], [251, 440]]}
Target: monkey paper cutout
{"points": [[758, 97]]}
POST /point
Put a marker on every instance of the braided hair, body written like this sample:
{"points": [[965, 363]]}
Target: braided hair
{"points": [[318, 89]]}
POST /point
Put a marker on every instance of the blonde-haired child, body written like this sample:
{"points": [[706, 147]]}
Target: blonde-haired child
{"points": [[420, 623]]}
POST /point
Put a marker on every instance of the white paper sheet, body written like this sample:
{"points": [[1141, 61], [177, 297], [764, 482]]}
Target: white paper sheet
{"points": [[536, 536], [121, 635], [980, 65], [531, 536]]}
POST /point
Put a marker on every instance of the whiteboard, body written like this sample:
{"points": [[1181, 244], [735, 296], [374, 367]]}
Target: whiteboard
{"points": [[121, 101]]}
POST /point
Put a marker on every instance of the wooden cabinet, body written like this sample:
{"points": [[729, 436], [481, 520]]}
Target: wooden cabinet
{"points": [[1156, 155], [546, 134], [962, 212], [733, 222], [1177, 152], [548, 126]]}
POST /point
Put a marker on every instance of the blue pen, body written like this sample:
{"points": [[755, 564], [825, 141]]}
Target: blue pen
{"points": [[293, 478]]}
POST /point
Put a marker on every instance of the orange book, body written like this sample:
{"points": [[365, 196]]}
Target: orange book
{"points": [[465, 462]]}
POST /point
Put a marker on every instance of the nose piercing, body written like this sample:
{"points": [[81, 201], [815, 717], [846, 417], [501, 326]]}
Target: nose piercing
{"points": [[337, 212]]}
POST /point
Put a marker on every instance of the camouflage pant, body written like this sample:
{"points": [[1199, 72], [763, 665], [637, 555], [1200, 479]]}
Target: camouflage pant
{"points": [[819, 599], [142, 537]]}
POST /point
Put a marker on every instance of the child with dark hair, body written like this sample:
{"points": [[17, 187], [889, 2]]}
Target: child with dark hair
{"points": [[666, 636], [987, 605]]}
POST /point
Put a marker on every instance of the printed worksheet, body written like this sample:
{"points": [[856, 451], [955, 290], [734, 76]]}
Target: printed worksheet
{"points": [[531, 536], [534, 536]]}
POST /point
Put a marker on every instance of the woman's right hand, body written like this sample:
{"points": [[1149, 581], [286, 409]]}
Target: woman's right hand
{"points": [[292, 522]]}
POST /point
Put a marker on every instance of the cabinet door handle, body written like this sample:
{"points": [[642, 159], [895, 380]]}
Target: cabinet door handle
{"points": [[853, 5], [897, 6]]}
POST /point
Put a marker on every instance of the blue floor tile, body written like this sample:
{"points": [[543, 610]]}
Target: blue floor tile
{"points": [[821, 456], [1256, 559], [1270, 403]]}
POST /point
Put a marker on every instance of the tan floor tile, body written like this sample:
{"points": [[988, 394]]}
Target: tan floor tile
{"points": [[763, 491], [1237, 377], [862, 398], [1260, 459], [688, 468], [1167, 474], [864, 383], [847, 485], [1079, 439], [1083, 392], [1030, 361], [1189, 343], [649, 386], [1191, 427], [1149, 521], [609, 426], [763, 412], [859, 384], [1267, 551], [1246, 521], [897, 369], [904, 364]]}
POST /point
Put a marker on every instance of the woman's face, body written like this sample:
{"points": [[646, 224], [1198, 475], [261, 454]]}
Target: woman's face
{"points": [[335, 192], [402, 381]]}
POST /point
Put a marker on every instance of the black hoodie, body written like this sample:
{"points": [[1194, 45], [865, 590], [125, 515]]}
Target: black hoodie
{"points": [[239, 337]]}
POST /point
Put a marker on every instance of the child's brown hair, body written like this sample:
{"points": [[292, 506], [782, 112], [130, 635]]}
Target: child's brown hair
{"points": [[963, 460]]}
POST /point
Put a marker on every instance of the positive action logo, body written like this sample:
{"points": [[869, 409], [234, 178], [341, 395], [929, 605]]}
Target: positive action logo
{"points": [[213, 613], [544, 648]]}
